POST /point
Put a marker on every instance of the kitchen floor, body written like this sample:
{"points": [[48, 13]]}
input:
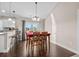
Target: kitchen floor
{"points": [[20, 50], [75, 56]]}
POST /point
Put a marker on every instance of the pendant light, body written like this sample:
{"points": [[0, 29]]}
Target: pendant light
{"points": [[9, 19], [14, 16], [36, 18]]}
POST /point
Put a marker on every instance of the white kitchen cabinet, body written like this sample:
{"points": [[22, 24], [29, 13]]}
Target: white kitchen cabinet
{"points": [[5, 41], [10, 41], [2, 42]]}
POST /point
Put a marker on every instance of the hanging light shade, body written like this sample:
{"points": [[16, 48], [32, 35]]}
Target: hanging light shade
{"points": [[36, 18], [10, 19]]}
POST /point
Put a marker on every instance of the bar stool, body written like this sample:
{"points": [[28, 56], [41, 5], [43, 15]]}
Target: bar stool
{"points": [[12, 41]]}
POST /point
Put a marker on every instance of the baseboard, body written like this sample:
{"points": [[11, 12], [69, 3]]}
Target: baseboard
{"points": [[66, 48], [5, 50]]}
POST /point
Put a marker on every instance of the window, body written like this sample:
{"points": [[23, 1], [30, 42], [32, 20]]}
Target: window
{"points": [[32, 26]]}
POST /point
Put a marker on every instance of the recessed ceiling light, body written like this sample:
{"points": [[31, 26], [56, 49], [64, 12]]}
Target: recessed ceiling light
{"points": [[3, 11], [10, 19], [13, 21]]}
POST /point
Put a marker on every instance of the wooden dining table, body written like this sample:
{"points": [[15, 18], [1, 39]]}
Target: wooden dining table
{"points": [[40, 34]]}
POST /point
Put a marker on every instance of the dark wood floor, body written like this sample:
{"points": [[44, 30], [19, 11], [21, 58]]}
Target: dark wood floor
{"points": [[21, 51]]}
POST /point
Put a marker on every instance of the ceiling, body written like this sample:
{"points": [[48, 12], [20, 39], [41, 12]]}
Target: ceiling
{"points": [[26, 9]]}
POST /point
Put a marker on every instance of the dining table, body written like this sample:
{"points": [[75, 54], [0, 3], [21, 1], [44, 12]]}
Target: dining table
{"points": [[31, 35]]}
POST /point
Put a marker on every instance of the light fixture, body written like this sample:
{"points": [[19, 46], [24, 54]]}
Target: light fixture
{"points": [[3, 11], [10, 19], [13, 22], [36, 18]]}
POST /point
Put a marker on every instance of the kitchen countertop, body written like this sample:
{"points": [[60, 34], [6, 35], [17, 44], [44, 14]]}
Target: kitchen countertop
{"points": [[5, 32], [1, 33]]}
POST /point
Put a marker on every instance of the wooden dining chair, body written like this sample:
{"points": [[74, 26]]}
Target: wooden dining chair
{"points": [[44, 40], [28, 41], [36, 42]]}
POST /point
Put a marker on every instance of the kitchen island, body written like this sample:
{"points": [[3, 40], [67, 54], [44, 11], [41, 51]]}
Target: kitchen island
{"points": [[6, 41]]}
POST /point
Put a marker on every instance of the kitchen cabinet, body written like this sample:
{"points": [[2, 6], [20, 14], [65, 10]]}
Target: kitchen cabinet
{"points": [[6, 42]]}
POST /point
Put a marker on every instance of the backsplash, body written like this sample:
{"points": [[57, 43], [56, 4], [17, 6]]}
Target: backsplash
{"points": [[6, 24]]}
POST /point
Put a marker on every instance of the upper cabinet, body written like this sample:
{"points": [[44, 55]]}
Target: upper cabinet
{"points": [[6, 23], [1, 25]]}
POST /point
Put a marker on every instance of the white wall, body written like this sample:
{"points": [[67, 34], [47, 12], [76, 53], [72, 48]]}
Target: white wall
{"points": [[18, 25], [65, 15], [48, 26], [77, 30]]}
